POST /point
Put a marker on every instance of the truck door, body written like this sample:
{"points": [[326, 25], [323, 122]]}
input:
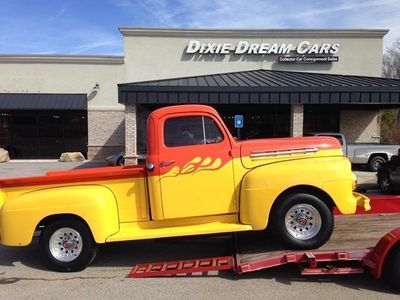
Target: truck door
{"points": [[196, 167]]}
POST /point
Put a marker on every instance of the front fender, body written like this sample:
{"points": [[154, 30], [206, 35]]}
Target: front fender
{"points": [[94, 204], [263, 185]]}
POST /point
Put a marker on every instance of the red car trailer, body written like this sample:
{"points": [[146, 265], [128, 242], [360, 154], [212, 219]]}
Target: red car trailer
{"points": [[359, 244]]}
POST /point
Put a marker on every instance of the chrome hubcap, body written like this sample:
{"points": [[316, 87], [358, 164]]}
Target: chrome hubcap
{"points": [[303, 221], [385, 184], [65, 244]]}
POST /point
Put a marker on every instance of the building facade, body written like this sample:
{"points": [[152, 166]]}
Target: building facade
{"points": [[266, 68]]}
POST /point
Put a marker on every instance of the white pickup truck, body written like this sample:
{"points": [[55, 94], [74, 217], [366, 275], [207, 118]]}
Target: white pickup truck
{"points": [[370, 154]]}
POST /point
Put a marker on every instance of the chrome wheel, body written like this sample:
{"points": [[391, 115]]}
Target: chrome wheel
{"points": [[384, 183], [65, 244], [303, 221]]}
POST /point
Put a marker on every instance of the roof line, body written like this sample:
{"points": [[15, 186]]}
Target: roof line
{"points": [[247, 71], [256, 89], [56, 58], [245, 33], [37, 93]]}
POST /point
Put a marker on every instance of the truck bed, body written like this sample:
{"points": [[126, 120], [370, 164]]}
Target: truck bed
{"points": [[350, 233], [76, 176]]}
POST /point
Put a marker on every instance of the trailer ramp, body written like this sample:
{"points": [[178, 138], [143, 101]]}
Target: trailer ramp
{"points": [[353, 238]]}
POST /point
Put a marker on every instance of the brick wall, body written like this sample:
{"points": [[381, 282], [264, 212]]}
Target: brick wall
{"points": [[360, 126], [106, 133]]}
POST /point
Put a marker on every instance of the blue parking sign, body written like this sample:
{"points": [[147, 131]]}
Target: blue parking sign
{"points": [[239, 121]]}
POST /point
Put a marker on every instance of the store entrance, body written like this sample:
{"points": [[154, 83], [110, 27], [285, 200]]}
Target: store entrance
{"points": [[43, 134]]}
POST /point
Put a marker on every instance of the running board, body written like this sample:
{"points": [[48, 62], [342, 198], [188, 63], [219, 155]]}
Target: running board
{"points": [[160, 229]]}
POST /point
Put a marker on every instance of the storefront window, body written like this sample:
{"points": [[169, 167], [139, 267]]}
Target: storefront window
{"points": [[43, 134], [319, 118], [260, 121]]}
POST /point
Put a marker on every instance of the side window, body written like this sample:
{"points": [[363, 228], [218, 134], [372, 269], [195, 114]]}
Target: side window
{"points": [[185, 131], [213, 134]]}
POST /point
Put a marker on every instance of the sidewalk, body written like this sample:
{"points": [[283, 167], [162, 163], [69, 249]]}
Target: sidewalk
{"points": [[36, 168]]}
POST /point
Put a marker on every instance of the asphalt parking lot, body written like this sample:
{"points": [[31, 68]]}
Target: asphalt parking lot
{"points": [[22, 274]]}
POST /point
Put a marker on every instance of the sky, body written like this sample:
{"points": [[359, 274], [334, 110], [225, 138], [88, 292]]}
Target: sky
{"points": [[91, 26]]}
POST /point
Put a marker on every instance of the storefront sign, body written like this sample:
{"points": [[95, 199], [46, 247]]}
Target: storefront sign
{"points": [[303, 59], [307, 52]]}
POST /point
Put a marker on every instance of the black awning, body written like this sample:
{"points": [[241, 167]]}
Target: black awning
{"points": [[25, 101], [264, 87]]}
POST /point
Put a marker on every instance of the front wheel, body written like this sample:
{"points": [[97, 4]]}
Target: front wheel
{"points": [[67, 245], [302, 221], [385, 183]]}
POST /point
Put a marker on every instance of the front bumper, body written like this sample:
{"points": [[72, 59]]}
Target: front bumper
{"points": [[362, 201]]}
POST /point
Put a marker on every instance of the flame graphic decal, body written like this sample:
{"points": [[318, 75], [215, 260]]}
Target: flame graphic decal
{"points": [[197, 164]]}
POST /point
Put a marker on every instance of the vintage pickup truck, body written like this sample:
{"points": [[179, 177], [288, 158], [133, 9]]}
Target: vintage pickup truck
{"points": [[198, 180], [370, 154]]}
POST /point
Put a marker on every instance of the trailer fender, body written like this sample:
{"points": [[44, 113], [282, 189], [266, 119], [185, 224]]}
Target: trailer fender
{"points": [[376, 258], [94, 204]]}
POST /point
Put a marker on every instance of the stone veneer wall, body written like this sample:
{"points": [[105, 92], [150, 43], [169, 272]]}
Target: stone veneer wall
{"points": [[296, 120], [360, 125], [130, 134], [106, 133], [141, 119]]}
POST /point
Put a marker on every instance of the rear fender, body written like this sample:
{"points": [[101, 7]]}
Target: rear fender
{"points": [[375, 259], [263, 185], [96, 205]]}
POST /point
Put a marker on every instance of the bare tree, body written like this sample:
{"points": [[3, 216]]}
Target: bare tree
{"points": [[391, 61], [390, 130]]}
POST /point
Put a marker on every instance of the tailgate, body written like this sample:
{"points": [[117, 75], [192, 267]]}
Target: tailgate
{"points": [[2, 198]]}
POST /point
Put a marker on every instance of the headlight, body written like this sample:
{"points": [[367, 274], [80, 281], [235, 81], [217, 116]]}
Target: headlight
{"points": [[354, 181]]}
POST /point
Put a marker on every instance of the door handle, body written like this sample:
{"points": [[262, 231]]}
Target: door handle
{"points": [[150, 167], [166, 163]]}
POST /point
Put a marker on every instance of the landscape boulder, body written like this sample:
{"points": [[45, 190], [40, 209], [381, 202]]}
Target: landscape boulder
{"points": [[71, 157], [4, 156]]}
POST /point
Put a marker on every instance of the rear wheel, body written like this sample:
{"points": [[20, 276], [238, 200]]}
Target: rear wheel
{"points": [[302, 221], [375, 162], [67, 245]]}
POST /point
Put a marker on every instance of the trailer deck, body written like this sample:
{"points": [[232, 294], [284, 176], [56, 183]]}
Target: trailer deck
{"points": [[353, 238], [351, 233]]}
